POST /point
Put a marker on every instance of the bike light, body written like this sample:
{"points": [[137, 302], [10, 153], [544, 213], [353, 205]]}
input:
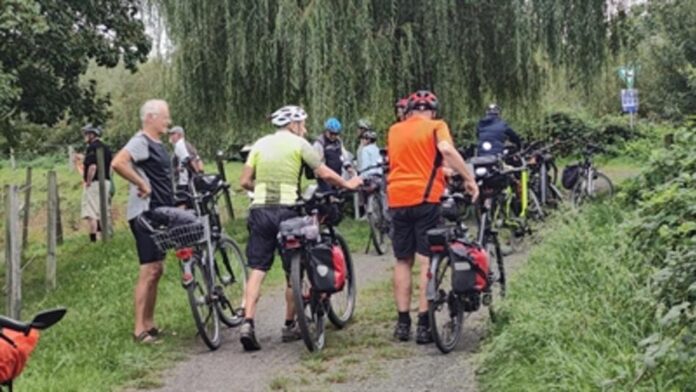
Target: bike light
{"points": [[437, 248], [292, 243], [184, 253], [481, 171]]}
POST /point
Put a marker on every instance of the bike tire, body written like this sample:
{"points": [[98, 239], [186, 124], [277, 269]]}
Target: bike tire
{"points": [[375, 218], [497, 278], [341, 315], [310, 316], [535, 209], [203, 308], [602, 186], [445, 309], [231, 276]]}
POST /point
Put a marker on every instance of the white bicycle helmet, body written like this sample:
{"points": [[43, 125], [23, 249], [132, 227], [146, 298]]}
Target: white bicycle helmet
{"points": [[287, 114]]}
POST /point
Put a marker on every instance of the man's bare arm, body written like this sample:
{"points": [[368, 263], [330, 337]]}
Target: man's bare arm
{"points": [[246, 180]]}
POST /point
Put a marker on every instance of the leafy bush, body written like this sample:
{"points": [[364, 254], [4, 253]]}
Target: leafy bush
{"points": [[663, 235], [608, 300]]}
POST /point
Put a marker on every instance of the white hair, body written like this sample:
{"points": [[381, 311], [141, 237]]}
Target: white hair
{"points": [[151, 106]]}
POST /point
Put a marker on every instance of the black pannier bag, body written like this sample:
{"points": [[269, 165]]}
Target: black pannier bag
{"points": [[327, 268], [570, 176]]}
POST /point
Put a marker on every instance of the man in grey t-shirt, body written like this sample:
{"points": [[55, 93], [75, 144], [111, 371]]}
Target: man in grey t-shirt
{"points": [[145, 164]]}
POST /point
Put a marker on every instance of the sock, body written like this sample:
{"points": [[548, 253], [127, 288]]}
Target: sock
{"points": [[289, 322], [249, 321], [423, 319], [93, 237], [404, 318]]}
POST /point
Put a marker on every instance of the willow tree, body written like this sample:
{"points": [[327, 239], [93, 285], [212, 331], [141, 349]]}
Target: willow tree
{"points": [[236, 61]]}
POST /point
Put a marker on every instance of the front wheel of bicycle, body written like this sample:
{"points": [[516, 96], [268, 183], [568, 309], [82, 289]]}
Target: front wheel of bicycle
{"points": [[376, 219], [230, 282], [445, 309], [309, 306], [203, 308], [497, 279], [342, 303]]}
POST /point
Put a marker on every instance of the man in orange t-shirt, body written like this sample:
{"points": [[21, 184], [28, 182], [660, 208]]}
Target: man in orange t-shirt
{"points": [[417, 148]]}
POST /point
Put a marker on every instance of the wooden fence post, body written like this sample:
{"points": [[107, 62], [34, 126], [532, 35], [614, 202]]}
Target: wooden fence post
{"points": [[59, 218], [27, 210], [12, 253], [221, 169], [52, 230], [103, 197], [71, 157]]}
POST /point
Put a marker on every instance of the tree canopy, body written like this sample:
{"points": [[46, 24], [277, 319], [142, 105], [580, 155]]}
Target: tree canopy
{"points": [[238, 60], [46, 45]]}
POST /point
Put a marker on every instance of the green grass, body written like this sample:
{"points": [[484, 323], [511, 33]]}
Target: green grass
{"points": [[573, 317]]}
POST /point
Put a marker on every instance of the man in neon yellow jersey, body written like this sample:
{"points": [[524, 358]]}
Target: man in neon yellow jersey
{"points": [[272, 171]]}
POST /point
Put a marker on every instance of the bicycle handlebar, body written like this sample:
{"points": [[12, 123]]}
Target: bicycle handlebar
{"points": [[15, 325]]}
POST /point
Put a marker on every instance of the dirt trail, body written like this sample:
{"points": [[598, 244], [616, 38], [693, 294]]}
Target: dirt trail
{"points": [[231, 369], [423, 369], [427, 369]]}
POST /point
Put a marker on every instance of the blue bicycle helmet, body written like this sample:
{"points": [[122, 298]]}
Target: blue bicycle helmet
{"points": [[333, 125]]}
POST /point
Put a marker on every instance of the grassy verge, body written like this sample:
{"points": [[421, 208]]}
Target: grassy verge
{"points": [[572, 320]]}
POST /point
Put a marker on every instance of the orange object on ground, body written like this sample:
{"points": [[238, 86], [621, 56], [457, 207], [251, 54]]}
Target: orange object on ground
{"points": [[13, 359], [414, 159]]}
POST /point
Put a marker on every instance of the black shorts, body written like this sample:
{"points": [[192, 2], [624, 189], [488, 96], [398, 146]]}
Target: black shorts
{"points": [[410, 225], [263, 224], [148, 252]]}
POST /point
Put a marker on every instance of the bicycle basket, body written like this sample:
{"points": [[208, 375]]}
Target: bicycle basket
{"points": [[179, 236], [570, 176]]}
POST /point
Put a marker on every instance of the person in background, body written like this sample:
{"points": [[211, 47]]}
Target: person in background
{"points": [[330, 148], [91, 207], [400, 109], [493, 132], [369, 157], [144, 162], [185, 159]]}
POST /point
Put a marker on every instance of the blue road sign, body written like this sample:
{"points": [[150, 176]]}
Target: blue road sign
{"points": [[629, 100]]}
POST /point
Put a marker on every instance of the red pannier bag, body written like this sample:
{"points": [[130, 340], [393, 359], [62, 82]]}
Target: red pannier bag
{"points": [[470, 268]]}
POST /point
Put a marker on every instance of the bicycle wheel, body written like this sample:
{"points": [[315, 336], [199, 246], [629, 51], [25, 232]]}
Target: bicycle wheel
{"points": [[497, 279], [445, 310], [203, 308], [342, 304], [308, 305], [535, 209], [602, 186], [230, 282], [375, 217]]}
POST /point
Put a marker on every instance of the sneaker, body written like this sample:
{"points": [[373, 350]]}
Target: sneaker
{"points": [[402, 332], [248, 338], [424, 335], [291, 333]]}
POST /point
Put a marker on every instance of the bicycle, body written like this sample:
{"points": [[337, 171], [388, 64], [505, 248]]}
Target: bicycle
{"points": [[41, 321], [301, 240], [214, 271], [591, 183], [454, 265], [374, 191], [544, 173]]}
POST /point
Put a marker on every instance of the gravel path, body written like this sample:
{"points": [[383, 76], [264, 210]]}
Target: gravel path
{"points": [[231, 369], [424, 368]]}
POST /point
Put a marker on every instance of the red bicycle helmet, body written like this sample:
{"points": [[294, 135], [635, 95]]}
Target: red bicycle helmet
{"points": [[422, 100]]}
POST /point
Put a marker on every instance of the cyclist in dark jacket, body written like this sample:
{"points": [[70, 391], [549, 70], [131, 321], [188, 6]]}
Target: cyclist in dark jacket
{"points": [[493, 130]]}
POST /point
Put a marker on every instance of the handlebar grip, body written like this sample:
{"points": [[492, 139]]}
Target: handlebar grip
{"points": [[15, 325]]}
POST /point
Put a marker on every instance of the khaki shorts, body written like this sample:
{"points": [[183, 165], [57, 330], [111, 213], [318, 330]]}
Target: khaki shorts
{"points": [[90, 201]]}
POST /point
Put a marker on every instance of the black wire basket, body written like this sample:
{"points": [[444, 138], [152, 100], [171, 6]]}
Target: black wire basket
{"points": [[180, 236]]}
